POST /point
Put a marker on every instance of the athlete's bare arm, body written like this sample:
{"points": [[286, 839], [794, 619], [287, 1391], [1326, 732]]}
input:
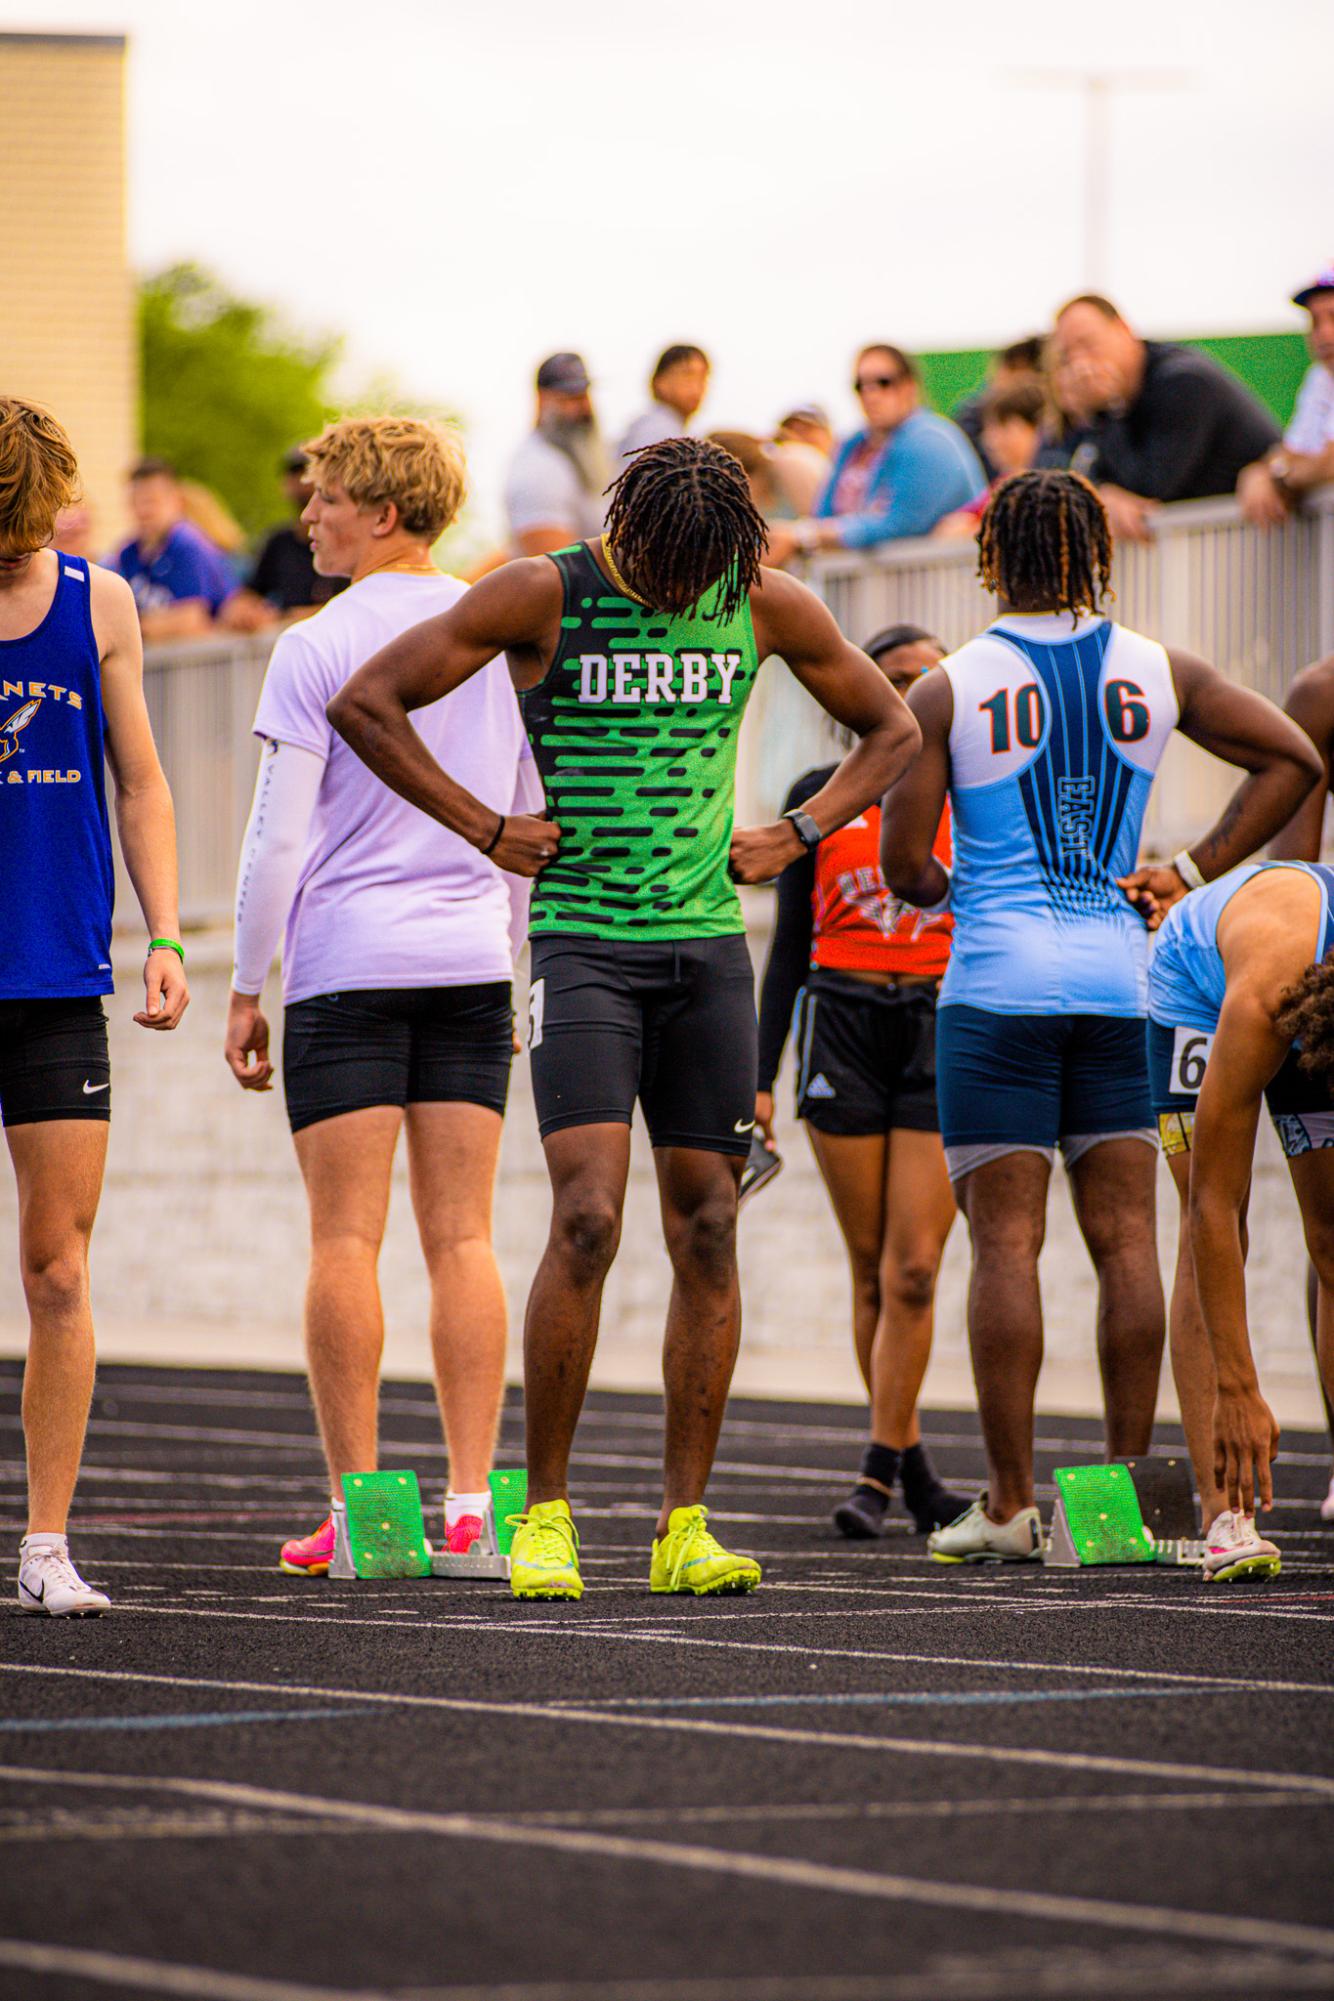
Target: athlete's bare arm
{"points": [[1267, 936], [144, 814], [515, 611], [910, 815], [1243, 729], [793, 623], [1310, 703]]}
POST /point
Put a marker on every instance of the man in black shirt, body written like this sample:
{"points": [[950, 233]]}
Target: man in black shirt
{"points": [[1153, 421], [284, 572]]}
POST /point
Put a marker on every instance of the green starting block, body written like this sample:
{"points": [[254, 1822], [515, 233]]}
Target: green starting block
{"points": [[386, 1530], [490, 1554], [1133, 1511]]}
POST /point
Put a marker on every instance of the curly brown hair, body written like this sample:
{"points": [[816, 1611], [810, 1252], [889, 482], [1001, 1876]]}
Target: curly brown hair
{"points": [[39, 474], [1306, 1015]]}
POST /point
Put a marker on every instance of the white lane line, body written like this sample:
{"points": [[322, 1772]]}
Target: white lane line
{"points": [[917, 1809], [578, 1629], [155, 1976], [1308, 1784], [1211, 1927]]}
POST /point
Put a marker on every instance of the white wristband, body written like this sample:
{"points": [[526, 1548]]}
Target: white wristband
{"points": [[1186, 868]]}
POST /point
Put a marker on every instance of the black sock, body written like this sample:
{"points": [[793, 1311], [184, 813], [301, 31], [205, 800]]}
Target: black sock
{"points": [[880, 1469], [919, 1477]]}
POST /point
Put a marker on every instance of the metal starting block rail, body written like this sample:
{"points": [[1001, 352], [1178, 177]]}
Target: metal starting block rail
{"points": [[386, 1530], [1133, 1511]]}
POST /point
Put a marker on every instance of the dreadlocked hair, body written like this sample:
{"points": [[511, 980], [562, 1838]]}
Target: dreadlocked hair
{"points": [[1306, 1015], [681, 520], [1046, 543]]}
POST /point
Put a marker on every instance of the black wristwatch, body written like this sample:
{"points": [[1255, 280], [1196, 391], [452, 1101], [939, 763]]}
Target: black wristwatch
{"points": [[807, 832]]}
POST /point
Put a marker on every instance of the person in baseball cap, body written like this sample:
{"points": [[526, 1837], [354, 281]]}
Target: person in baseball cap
{"points": [[555, 487], [1270, 488]]}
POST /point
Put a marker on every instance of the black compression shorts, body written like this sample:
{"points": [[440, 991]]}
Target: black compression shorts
{"points": [[670, 1024], [866, 1056], [53, 1061], [397, 1046]]}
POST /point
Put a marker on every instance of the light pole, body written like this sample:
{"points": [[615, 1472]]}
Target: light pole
{"points": [[1099, 88]]}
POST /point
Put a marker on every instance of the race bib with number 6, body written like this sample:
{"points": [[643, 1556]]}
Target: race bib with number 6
{"points": [[1190, 1056]]}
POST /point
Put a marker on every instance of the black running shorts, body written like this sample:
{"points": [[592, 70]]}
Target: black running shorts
{"points": [[397, 1046], [53, 1061], [866, 1056], [670, 1024]]}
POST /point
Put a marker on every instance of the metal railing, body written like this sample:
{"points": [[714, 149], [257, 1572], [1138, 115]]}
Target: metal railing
{"points": [[1260, 605]]}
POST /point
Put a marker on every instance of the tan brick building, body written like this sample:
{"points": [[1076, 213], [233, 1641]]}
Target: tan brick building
{"points": [[67, 334]]}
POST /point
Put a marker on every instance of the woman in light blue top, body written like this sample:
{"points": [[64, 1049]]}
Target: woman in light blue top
{"points": [[1241, 1008]]}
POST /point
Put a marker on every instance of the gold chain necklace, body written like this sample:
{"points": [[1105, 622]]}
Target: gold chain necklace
{"points": [[617, 578]]}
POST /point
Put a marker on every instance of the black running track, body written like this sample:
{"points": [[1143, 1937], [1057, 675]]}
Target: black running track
{"points": [[876, 1778]]}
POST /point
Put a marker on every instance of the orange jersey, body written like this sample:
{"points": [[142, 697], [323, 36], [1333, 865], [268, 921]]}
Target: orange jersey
{"points": [[858, 925]]}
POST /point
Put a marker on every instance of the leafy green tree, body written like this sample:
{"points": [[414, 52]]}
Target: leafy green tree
{"points": [[228, 387]]}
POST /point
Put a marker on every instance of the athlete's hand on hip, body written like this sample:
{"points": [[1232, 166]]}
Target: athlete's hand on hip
{"points": [[526, 845], [247, 1043], [760, 853], [1246, 1439], [1153, 890], [764, 1117], [166, 994]]}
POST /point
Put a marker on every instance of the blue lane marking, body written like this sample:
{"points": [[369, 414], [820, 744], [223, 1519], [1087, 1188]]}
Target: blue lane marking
{"points": [[953, 1698], [198, 1721]]}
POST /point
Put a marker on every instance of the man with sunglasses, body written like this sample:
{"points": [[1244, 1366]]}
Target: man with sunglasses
{"points": [[904, 471]]}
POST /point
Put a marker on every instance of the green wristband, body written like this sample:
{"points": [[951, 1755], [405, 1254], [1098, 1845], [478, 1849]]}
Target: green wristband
{"points": [[168, 945]]}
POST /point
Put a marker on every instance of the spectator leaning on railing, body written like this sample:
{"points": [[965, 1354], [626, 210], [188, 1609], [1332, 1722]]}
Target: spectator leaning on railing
{"points": [[1305, 459], [897, 476], [179, 580], [678, 385], [1010, 367], [1013, 422], [1152, 421]]}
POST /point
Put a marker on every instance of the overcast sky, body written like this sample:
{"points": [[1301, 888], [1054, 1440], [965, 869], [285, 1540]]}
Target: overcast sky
{"points": [[459, 189]]}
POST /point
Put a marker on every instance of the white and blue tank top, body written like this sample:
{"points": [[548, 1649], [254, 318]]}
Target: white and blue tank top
{"points": [[1059, 727], [55, 843], [1187, 979]]}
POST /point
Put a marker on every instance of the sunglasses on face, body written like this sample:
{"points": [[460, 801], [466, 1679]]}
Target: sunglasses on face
{"points": [[865, 382]]}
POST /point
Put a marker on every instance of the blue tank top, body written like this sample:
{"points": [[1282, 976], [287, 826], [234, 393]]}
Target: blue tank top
{"points": [[1187, 979], [1059, 726], [55, 843]]}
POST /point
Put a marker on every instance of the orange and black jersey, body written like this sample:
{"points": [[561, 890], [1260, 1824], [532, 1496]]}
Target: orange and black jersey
{"points": [[835, 911]]}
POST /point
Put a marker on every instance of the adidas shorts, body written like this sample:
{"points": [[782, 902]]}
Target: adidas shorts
{"points": [[866, 1056]]}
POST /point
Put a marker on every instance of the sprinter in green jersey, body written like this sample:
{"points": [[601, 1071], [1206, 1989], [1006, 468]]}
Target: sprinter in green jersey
{"points": [[634, 657]]}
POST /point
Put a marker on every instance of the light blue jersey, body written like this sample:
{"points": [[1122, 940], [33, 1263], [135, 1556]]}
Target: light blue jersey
{"points": [[1059, 726], [1187, 979]]}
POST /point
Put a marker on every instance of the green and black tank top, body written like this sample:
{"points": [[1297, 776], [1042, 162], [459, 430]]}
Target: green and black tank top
{"points": [[634, 729]]}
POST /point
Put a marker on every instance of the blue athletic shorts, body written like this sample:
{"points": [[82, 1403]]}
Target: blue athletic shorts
{"points": [[1032, 1080]]}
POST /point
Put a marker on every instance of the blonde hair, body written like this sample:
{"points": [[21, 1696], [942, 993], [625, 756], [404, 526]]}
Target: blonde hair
{"points": [[413, 462], [211, 516], [39, 473]]}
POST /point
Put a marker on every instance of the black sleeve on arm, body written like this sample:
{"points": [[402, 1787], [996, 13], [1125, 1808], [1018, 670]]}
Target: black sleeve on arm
{"points": [[790, 948]]}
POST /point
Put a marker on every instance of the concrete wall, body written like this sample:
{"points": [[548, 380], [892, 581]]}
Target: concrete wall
{"points": [[67, 335]]}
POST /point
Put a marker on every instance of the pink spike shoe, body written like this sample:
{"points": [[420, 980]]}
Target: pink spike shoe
{"points": [[310, 1555], [463, 1535]]}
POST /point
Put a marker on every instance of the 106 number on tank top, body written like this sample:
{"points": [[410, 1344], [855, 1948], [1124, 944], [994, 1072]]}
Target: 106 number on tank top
{"points": [[1020, 720]]}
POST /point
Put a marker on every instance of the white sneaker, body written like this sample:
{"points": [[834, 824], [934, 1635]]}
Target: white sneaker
{"points": [[1233, 1548], [48, 1581], [1327, 1505], [975, 1538]]}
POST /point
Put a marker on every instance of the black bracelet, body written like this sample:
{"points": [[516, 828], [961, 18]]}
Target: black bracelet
{"points": [[500, 828]]}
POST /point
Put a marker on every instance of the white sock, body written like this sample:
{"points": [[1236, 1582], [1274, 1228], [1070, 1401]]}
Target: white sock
{"points": [[459, 1505], [42, 1539]]}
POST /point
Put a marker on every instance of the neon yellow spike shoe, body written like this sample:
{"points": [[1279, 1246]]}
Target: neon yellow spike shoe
{"points": [[689, 1558], [544, 1556]]}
